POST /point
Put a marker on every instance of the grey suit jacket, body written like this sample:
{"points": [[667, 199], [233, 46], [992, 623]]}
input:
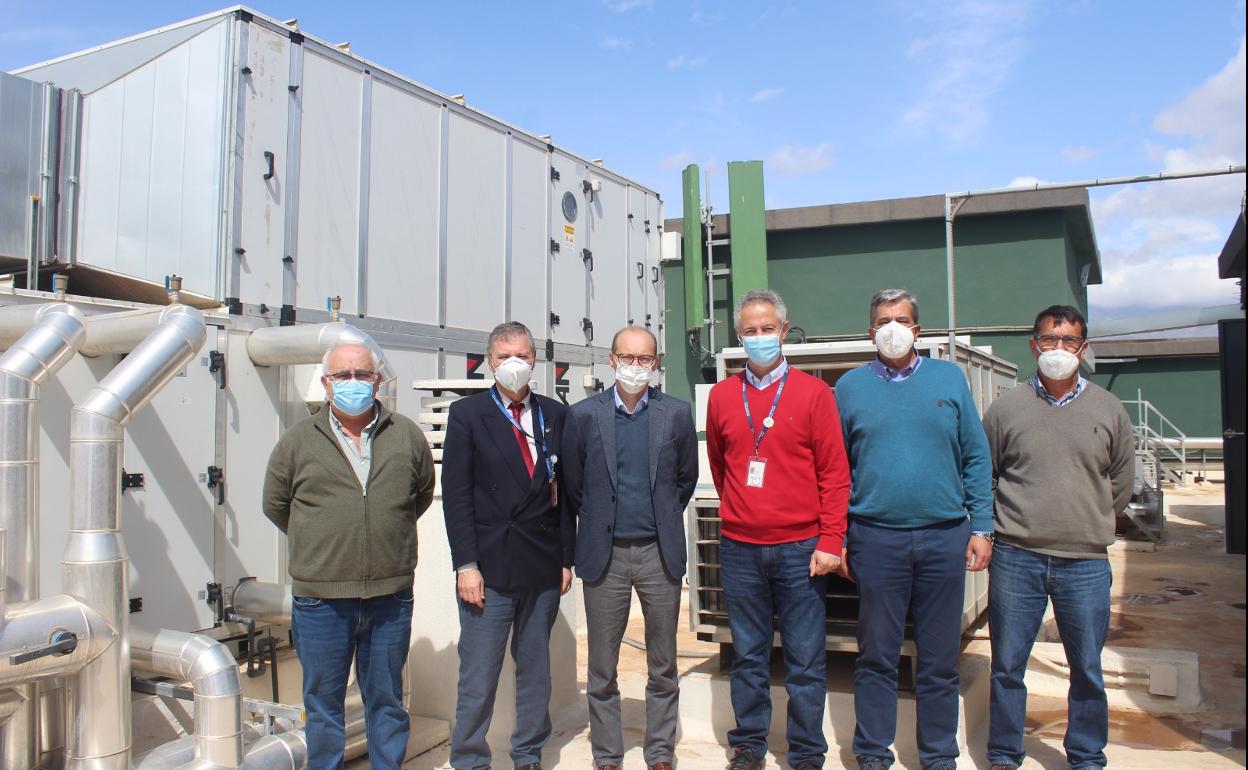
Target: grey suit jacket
{"points": [[588, 465]]}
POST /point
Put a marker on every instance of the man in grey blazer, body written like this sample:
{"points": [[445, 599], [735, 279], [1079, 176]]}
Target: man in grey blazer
{"points": [[630, 463]]}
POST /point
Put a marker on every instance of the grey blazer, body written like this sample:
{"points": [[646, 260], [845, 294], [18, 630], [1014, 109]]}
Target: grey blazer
{"points": [[588, 466]]}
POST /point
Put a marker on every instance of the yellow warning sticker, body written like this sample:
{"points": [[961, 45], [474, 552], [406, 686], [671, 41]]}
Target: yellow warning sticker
{"points": [[569, 234]]}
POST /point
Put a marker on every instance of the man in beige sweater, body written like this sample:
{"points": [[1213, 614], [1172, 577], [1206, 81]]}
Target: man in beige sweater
{"points": [[1063, 458]]}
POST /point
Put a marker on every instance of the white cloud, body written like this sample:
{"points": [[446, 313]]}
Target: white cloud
{"points": [[1160, 240], [677, 161], [766, 94], [682, 61], [1025, 181], [1189, 281], [615, 43], [624, 6], [799, 159], [971, 58], [1076, 154]]}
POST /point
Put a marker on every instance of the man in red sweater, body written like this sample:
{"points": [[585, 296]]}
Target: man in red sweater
{"points": [[773, 437]]}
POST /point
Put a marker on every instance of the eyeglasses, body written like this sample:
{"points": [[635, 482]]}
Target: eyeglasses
{"points": [[1051, 341], [628, 360], [363, 375]]}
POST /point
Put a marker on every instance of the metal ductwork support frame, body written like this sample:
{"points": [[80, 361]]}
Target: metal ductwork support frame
{"points": [[307, 343], [95, 565], [213, 673], [40, 339]]}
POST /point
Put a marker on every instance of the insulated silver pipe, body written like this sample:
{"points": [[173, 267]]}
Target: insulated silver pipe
{"points": [[53, 333], [123, 331], [95, 564], [307, 343], [262, 602], [213, 674], [34, 625]]}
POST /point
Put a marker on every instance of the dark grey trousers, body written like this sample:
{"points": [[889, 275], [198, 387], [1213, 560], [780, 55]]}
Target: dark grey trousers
{"points": [[607, 603], [527, 616]]}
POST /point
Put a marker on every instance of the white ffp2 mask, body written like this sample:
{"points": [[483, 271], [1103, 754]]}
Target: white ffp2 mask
{"points": [[1058, 364], [513, 374], [632, 378], [893, 340]]}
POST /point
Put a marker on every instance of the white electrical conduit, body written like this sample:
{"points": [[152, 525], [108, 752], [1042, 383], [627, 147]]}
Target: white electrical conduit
{"points": [[47, 337], [95, 564], [307, 343]]}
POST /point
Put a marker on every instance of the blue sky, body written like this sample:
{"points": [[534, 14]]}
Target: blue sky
{"points": [[844, 101]]}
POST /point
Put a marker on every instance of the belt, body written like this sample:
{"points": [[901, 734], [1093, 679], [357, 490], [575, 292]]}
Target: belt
{"points": [[632, 542]]}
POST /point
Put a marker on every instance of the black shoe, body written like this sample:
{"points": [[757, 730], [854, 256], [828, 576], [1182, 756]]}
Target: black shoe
{"points": [[745, 759], [872, 764], [809, 764], [530, 766]]}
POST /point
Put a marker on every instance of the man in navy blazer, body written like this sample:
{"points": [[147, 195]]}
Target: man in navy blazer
{"points": [[630, 458], [511, 546]]}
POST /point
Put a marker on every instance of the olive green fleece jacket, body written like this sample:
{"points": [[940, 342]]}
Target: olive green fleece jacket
{"points": [[345, 543]]}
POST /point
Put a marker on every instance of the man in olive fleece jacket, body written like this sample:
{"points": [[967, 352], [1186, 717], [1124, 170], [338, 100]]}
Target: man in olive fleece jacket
{"points": [[347, 486]]}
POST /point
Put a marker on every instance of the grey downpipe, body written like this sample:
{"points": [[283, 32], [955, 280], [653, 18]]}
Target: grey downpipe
{"points": [[213, 674], [50, 336], [95, 564], [307, 343]]}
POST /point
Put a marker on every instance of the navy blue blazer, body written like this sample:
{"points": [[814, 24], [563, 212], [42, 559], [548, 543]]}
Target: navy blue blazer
{"points": [[588, 460], [496, 515]]}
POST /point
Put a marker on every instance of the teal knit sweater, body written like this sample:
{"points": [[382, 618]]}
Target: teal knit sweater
{"points": [[917, 451]]}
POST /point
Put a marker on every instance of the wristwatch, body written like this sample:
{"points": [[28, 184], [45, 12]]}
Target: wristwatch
{"points": [[985, 535]]}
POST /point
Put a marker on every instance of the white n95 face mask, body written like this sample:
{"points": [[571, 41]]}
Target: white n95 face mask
{"points": [[893, 340], [1058, 364], [513, 374], [632, 378]]}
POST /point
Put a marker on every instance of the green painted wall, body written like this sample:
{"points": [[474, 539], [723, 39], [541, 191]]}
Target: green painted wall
{"points": [[1186, 390]]}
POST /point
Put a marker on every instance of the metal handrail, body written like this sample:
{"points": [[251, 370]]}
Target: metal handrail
{"points": [[1157, 439]]}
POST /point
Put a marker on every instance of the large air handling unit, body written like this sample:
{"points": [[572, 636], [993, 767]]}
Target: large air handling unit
{"points": [[189, 218]]}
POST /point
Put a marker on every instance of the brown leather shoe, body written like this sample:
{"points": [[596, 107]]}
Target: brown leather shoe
{"points": [[661, 766]]}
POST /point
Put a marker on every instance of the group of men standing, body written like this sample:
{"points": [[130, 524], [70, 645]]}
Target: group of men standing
{"points": [[889, 482]]}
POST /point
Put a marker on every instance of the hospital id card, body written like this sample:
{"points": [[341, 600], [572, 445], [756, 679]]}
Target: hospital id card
{"points": [[755, 471]]}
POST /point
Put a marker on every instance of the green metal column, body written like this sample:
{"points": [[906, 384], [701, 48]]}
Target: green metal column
{"points": [[747, 227], [691, 251]]}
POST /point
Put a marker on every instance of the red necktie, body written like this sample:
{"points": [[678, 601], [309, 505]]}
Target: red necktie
{"points": [[516, 408]]}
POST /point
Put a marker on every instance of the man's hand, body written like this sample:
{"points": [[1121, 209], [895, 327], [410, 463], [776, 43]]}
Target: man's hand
{"points": [[566, 583], [823, 563], [842, 569], [471, 587], [978, 554]]}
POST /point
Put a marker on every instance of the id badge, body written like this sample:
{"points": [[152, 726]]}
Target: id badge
{"points": [[755, 471], [554, 494]]}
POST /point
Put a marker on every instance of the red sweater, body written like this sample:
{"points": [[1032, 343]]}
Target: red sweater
{"points": [[806, 485]]}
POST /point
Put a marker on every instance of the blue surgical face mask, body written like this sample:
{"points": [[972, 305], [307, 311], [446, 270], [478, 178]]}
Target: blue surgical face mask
{"points": [[353, 397], [762, 349]]}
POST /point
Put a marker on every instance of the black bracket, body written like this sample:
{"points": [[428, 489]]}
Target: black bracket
{"points": [[641, 270], [655, 270], [246, 70], [131, 480], [216, 365], [554, 319], [136, 604], [286, 316], [647, 320], [586, 186], [554, 245], [215, 596], [587, 326], [235, 305], [587, 257], [269, 158], [554, 174], [647, 225], [216, 481]]}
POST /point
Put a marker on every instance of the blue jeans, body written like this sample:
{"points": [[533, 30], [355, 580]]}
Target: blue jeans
{"points": [[917, 573], [760, 582], [1020, 585], [527, 616], [328, 633]]}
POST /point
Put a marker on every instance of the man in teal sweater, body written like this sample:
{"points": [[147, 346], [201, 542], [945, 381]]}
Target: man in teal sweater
{"points": [[920, 514]]}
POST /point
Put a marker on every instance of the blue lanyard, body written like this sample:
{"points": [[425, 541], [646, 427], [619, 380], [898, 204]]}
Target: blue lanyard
{"points": [[770, 419], [541, 427]]}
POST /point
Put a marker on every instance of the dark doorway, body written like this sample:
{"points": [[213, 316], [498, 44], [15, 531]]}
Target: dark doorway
{"points": [[1231, 351]]}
